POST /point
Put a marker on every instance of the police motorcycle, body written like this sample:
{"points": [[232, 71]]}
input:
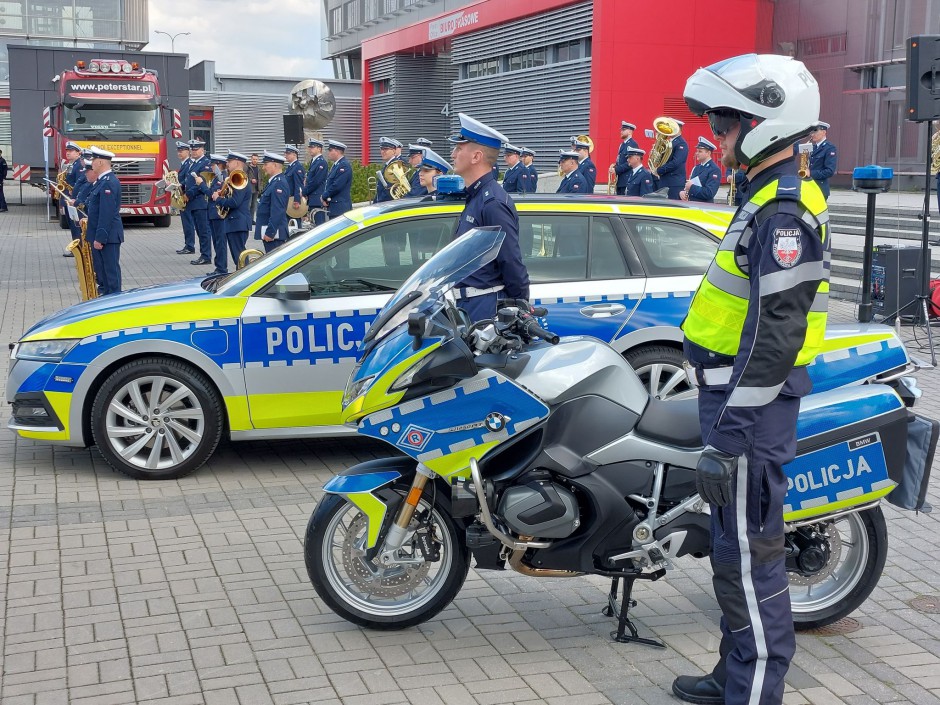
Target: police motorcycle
{"points": [[550, 455]]}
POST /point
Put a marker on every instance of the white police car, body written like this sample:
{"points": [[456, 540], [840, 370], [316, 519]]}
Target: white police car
{"points": [[154, 377]]}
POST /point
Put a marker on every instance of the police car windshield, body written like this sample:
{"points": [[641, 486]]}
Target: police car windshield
{"points": [[437, 276], [298, 243]]}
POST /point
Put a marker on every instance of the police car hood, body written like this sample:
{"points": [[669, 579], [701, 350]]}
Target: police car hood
{"points": [[163, 304]]}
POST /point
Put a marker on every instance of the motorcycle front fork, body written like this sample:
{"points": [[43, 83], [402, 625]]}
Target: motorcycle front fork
{"points": [[399, 532]]}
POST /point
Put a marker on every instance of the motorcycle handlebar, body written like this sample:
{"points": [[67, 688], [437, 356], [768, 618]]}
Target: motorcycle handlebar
{"points": [[532, 329]]}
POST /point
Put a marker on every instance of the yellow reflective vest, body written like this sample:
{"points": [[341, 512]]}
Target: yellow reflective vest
{"points": [[719, 308]]}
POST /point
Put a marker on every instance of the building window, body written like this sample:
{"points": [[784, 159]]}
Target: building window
{"points": [[389, 6], [382, 86], [568, 51], [336, 20], [353, 14], [371, 10], [486, 67], [527, 59], [348, 66], [200, 125], [819, 46]]}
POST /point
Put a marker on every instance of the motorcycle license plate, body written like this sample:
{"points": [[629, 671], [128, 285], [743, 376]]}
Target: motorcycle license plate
{"points": [[836, 477]]}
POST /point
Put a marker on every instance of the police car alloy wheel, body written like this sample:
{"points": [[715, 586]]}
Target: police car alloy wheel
{"points": [[661, 371], [156, 419]]}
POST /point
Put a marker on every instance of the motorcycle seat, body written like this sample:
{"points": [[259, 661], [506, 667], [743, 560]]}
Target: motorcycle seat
{"points": [[674, 422]]}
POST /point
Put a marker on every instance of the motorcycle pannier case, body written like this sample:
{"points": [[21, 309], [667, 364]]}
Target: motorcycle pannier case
{"points": [[851, 451]]}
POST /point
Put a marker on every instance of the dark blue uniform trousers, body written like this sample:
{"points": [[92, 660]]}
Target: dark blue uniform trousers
{"points": [[236, 245], [218, 244], [748, 561], [480, 308], [107, 263], [189, 230], [201, 220]]}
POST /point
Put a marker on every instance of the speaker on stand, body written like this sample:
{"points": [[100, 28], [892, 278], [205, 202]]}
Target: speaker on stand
{"points": [[294, 129]]}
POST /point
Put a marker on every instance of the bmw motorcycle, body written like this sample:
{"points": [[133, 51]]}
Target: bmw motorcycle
{"points": [[549, 455]]}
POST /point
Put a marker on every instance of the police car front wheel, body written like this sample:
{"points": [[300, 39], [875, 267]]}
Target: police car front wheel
{"points": [[156, 419]]}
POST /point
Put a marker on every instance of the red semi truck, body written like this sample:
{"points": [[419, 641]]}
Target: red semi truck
{"points": [[116, 105]]}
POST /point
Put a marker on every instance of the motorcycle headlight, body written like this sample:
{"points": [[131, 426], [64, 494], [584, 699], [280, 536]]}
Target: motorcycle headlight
{"points": [[408, 376], [44, 350], [355, 389]]}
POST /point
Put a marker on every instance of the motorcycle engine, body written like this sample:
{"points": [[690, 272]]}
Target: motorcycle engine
{"points": [[540, 508]]}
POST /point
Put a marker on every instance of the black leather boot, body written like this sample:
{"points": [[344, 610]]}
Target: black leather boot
{"points": [[703, 690]]}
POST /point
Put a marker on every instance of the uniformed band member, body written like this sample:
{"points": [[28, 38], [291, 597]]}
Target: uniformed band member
{"points": [[294, 173], [424, 243], [476, 150], [673, 174], [423, 142], [215, 220], [639, 180], [512, 177], [586, 165], [706, 172], [104, 229], [83, 190], [189, 225], [740, 185], [415, 157], [315, 180], [768, 287], [620, 167], [389, 150], [271, 221], [238, 220], [73, 177], [572, 180], [337, 193], [197, 191], [823, 160], [530, 177]]}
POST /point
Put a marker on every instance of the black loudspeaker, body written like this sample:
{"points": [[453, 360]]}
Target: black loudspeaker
{"points": [[923, 78], [294, 129], [895, 282]]}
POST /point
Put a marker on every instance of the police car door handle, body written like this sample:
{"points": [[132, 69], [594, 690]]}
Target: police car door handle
{"points": [[603, 310]]}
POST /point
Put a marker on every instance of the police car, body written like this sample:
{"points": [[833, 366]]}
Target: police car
{"points": [[154, 377]]}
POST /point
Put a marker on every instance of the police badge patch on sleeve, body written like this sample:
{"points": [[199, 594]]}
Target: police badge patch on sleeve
{"points": [[787, 246]]}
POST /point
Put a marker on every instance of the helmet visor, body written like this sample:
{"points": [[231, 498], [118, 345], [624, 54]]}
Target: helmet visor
{"points": [[723, 121], [746, 75]]}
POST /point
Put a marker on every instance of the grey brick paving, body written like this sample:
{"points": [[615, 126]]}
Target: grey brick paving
{"points": [[194, 592]]}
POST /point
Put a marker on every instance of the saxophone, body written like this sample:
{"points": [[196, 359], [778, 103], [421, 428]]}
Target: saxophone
{"points": [[81, 250], [666, 128], [805, 150], [935, 151], [732, 188]]}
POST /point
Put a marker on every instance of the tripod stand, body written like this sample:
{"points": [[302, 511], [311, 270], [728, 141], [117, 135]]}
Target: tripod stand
{"points": [[924, 295]]}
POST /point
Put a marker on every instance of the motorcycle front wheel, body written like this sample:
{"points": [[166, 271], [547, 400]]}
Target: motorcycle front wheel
{"points": [[369, 594], [858, 548]]}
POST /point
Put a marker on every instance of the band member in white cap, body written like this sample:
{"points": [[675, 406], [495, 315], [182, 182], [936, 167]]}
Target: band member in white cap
{"points": [[104, 230], [705, 178], [271, 221]]}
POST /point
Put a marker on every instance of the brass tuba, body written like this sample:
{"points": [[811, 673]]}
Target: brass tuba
{"points": [[236, 181], [173, 186], [397, 180], [666, 128], [81, 250]]}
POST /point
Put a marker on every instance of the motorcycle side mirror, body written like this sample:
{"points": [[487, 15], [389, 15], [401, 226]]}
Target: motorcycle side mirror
{"points": [[417, 324]]}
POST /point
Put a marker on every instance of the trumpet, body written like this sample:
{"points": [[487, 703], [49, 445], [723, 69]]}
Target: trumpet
{"points": [[236, 181], [805, 150]]}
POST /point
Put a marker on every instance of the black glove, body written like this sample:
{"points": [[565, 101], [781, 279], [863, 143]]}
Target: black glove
{"points": [[713, 476]]}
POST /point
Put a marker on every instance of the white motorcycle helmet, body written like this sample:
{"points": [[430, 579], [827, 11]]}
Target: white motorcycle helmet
{"points": [[775, 98]]}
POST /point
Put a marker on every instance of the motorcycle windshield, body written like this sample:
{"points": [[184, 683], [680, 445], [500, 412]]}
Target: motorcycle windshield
{"points": [[425, 289]]}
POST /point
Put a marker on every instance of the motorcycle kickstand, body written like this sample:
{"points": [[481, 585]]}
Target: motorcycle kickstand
{"points": [[623, 615]]}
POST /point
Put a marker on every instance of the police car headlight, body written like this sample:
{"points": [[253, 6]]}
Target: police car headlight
{"points": [[356, 389], [44, 350]]}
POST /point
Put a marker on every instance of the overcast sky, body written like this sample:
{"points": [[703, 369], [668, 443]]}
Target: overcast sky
{"points": [[252, 37]]}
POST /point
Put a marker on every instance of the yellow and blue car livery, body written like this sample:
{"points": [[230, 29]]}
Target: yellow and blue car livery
{"points": [[278, 364]]}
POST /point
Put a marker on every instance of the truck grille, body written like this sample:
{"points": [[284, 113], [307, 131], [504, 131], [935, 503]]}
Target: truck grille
{"points": [[135, 194], [134, 167]]}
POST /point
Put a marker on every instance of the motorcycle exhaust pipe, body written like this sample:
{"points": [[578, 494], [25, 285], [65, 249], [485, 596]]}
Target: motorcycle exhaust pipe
{"points": [[515, 562], [508, 541]]}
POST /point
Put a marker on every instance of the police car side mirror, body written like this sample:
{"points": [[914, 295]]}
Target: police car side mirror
{"points": [[293, 287]]}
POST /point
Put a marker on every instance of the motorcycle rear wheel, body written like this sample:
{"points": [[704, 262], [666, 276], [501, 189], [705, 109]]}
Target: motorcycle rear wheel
{"points": [[368, 594], [849, 577]]}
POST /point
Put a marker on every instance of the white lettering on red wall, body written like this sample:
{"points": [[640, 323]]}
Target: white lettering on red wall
{"points": [[446, 26]]}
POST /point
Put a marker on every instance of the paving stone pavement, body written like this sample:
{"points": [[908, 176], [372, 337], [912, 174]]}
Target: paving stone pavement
{"points": [[195, 591]]}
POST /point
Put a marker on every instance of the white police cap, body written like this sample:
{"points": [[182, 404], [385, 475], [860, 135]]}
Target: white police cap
{"points": [[567, 154], [424, 142], [433, 160], [512, 149], [236, 155], [415, 149], [98, 153], [291, 148], [705, 144], [472, 130], [272, 157], [217, 158], [526, 152], [182, 145], [313, 142], [579, 144], [635, 152], [389, 142], [335, 144], [72, 145], [627, 125], [822, 125]]}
